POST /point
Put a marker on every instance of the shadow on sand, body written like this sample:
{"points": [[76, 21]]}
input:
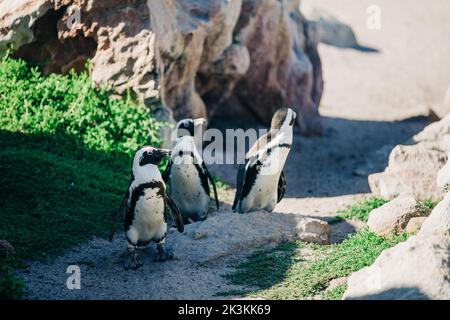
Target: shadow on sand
{"points": [[328, 166]]}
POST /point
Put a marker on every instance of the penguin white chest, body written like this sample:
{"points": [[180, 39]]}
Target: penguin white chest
{"points": [[187, 190], [148, 223], [263, 195]]}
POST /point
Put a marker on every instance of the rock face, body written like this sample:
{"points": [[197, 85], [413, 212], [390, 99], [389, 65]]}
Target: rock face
{"points": [[395, 215], [63, 35], [416, 269], [197, 56], [414, 168]]}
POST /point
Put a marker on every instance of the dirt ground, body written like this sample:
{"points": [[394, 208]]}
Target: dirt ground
{"points": [[372, 101]]}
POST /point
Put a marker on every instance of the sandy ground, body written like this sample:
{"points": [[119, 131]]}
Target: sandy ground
{"points": [[372, 101]]}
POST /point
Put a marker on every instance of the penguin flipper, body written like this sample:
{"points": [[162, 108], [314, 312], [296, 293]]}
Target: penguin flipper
{"points": [[116, 217], [239, 185], [213, 184], [281, 186], [174, 212]]}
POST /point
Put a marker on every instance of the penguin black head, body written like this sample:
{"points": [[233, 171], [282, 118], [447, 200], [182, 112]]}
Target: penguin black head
{"points": [[283, 118], [186, 127], [149, 155]]}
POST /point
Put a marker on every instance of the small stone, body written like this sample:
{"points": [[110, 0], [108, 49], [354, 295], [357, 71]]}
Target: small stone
{"points": [[443, 177]]}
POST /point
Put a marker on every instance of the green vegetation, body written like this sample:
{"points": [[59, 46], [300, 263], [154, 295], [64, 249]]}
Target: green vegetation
{"points": [[64, 161], [335, 294], [299, 270], [220, 184], [429, 204], [69, 106], [362, 209]]}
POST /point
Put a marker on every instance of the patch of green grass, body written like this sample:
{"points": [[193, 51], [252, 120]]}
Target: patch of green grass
{"points": [[69, 105], [335, 294], [65, 156], [361, 209], [429, 204], [286, 272]]}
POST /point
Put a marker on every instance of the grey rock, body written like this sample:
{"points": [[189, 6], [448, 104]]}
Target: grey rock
{"points": [[412, 169], [416, 269], [415, 224], [395, 215]]}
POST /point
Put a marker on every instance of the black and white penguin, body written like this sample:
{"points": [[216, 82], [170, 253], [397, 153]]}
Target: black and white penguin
{"points": [[187, 175], [148, 207], [260, 181]]}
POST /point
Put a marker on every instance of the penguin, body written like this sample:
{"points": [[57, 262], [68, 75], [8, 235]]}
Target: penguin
{"points": [[148, 207], [187, 175], [261, 182]]}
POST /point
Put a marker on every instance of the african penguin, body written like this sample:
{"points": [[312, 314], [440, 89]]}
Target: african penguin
{"points": [[187, 175], [260, 181], [148, 207]]}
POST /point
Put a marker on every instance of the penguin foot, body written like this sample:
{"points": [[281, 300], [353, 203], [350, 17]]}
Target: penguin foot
{"points": [[133, 261], [163, 254]]}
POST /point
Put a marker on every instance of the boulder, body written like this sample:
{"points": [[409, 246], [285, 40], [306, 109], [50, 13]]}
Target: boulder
{"points": [[415, 224], [435, 135], [412, 169], [443, 177], [285, 67], [416, 269], [210, 240], [198, 57], [395, 215], [47, 33]]}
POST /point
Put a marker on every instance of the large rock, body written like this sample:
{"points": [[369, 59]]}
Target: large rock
{"points": [[414, 168], [197, 56], [230, 233], [285, 67], [415, 224], [443, 177], [416, 269], [395, 215], [47, 33]]}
